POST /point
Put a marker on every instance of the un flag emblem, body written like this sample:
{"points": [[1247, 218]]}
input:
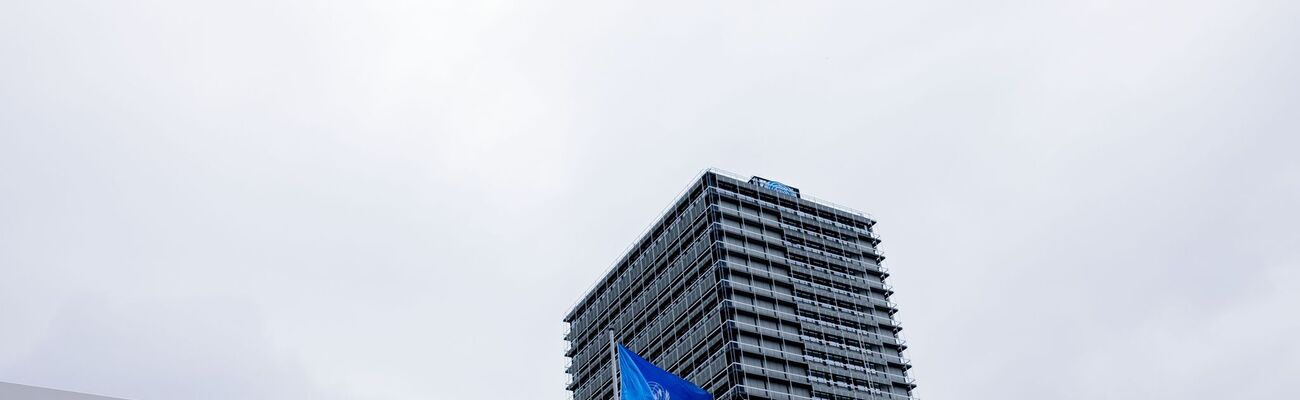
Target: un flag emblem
{"points": [[658, 391]]}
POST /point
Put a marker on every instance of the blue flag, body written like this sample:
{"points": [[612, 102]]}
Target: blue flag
{"points": [[642, 380]]}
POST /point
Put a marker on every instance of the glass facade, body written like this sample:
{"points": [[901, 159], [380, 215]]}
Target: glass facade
{"points": [[751, 292]]}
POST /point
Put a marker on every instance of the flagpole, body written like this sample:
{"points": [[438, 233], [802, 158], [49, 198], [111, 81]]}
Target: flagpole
{"points": [[613, 365]]}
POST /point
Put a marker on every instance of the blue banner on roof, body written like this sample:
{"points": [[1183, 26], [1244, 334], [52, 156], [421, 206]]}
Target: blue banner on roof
{"points": [[775, 186]]}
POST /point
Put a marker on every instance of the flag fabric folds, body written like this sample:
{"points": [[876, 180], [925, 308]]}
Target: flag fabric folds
{"points": [[642, 380]]}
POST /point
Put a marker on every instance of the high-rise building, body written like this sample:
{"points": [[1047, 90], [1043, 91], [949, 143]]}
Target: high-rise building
{"points": [[751, 291]]}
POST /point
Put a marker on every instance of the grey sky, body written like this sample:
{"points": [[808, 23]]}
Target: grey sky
{"points": [[400, 199]]}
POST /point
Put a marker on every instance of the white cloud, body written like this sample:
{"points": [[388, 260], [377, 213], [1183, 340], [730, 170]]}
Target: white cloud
{"points": [[399, 199]]}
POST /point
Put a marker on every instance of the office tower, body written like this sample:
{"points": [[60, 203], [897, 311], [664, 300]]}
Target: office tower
{"points": [[751, 291]]}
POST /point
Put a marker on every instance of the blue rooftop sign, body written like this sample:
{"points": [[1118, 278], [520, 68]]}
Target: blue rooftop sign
{"points": [[776, 186]]}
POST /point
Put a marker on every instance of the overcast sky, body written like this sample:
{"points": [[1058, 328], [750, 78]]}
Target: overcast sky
{"points": [[290, 199]]}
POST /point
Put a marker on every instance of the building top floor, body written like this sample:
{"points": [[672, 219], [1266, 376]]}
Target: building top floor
{"points": [[765, 191]]}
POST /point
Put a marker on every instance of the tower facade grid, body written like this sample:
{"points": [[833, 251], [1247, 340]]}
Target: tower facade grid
{"points": [[750, 291]]}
